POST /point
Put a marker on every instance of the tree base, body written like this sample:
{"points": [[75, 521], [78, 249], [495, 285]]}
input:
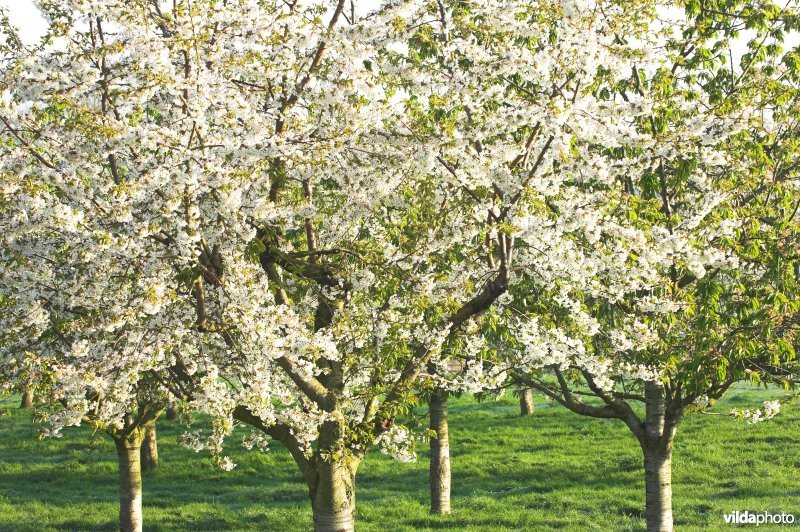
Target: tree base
{"points": [[342, 521]]}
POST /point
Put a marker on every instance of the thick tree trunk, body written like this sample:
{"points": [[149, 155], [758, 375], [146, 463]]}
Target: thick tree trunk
{"points": [[149, 454], [130, 483], [526, 407], [172, 412], [27, 398], [658, 486], [439, 469], [333, 497]]}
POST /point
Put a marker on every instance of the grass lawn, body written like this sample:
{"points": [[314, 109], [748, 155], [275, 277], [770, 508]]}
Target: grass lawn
{"points": [[554, 471]]}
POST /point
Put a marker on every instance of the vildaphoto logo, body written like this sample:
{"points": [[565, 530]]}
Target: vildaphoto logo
{"points": [[758, 518]]}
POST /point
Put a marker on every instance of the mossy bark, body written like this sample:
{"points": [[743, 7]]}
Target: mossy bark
{"points": [[333, 499], [332, 482], [130, 482]]}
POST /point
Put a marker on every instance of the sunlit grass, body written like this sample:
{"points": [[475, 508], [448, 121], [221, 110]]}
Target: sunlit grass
{"points": [[555, 470]]}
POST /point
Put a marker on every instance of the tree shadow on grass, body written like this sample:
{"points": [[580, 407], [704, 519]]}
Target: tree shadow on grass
{"points": [[551, 471]]}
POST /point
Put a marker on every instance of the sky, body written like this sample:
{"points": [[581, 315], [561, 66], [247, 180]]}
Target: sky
{"points": [[26, 17]]}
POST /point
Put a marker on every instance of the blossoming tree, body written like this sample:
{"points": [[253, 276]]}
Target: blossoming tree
{"points": [[715, 195], [508, 93], [207, 198]]}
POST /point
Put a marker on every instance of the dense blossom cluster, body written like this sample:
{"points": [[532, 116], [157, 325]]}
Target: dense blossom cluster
{"points": [[187, 189]]}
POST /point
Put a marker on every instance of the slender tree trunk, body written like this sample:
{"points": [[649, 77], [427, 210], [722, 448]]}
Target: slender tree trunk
{"points": [[333, 497], [439, 469], [659, 431], [526, 406], [658, 487], [27, 397], [172, 412], [149, 454], [130, 482]]}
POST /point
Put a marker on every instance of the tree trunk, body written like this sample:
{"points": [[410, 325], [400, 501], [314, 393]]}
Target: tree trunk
{"points": [[333, 497], [658, 486], [526, 406], [659, 431], [130, 482], [172, 412], [27, 398], [439, 469], [149, 454]]}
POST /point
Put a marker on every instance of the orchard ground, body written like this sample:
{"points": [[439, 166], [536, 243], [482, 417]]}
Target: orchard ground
{"points": [[555, 470]]}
